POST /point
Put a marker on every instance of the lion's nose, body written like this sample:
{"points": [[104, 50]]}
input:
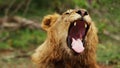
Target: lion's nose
{"points": [[82, 12]]}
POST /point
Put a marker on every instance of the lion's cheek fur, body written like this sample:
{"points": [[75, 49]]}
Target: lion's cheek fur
{"points": [[58, 37]]}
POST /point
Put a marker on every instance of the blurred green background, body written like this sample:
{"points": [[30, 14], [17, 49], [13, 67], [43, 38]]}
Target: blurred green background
{"points": [[17, 45]]}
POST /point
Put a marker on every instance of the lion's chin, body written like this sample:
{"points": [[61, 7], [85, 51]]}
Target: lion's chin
{"points": [[76, 35]]}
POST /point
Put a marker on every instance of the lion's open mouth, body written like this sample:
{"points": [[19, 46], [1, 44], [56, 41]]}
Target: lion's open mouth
{"points": [[76, 35]]}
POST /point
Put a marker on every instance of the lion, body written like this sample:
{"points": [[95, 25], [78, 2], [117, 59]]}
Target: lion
{"points": [[71, 41]]}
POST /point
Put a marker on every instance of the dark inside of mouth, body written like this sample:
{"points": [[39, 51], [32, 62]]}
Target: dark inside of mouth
{"points": [[77, 30]]}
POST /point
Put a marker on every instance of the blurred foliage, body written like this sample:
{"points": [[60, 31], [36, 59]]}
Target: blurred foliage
{"points": [[21, 39], [105, 13], [36, 7]]}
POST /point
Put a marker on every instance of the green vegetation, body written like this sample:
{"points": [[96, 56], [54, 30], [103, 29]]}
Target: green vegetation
{"points": [[105, 13], [21, 39]]}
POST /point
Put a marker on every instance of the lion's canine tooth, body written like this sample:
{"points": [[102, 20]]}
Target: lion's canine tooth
{"points": [[85, 25], [74, 23]]}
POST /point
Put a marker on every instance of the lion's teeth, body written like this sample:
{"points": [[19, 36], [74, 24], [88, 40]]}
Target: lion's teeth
{"points": [[74, 23], [85, 25]]}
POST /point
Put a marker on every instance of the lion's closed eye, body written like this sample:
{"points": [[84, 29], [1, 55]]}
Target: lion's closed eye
{"points": [[68, 11]]}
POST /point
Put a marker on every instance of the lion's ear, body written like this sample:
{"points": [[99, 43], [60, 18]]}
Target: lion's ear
{"points": [[48, 21]]}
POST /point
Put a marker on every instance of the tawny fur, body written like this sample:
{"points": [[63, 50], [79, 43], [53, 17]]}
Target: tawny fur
{"points": [[54, 52]]}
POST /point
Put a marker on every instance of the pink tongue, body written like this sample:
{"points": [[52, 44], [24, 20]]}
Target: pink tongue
{"points": [[77, 45]]}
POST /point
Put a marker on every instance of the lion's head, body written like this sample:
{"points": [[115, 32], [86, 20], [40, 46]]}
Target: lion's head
{"points": [[74, 30]]}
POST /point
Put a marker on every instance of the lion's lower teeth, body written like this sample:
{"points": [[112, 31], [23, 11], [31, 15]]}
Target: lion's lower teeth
{"points": [[74, 23]]}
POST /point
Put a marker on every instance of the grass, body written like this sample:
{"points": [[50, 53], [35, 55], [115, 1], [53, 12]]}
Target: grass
{"points": [[108, 53], [21, 39], [17, 63]]}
